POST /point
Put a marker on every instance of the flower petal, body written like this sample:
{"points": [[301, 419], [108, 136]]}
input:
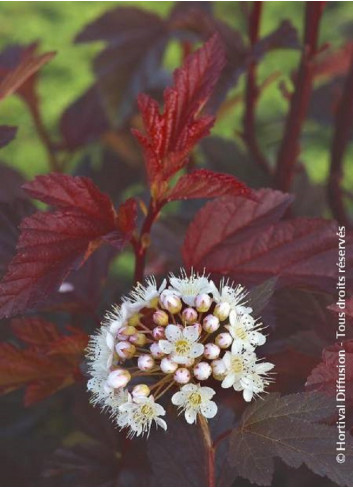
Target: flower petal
{"points": [[173, 333], [160, 422], [262, 368], [178, 398], [209, 409], [207, 392], [190, 415], [228, 381], [197, 350], [165, 346], [247, 394], [191, 333]]}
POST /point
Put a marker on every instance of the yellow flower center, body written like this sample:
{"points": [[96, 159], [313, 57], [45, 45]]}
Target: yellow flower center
{"points": [[237, 365], [147, 410], [195, 399], [182, 347], [241, 333]]}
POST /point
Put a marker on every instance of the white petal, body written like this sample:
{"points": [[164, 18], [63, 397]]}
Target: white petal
{"points": [[247, 394], [209, 409], [264, 367], [207, 392], [190, 415], [180, 359], [228, 381], [178, 398], [173, 333], [165, 346], [197, 350], [188, 388], [191, 333], [259, 338], [227, 359], [161, 423]]}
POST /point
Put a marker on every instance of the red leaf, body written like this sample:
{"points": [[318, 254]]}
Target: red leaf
{"points": [[51, 362], [169, 137], [207, 184], [52, 243], [325, 375], [229, 236]]}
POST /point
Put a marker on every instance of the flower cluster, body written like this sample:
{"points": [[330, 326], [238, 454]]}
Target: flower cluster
{"points": [[175, 338]]}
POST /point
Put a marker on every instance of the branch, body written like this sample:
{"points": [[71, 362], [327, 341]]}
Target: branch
{"points": [[341, 137], [209, 450], [252, 93], [290, 147]]}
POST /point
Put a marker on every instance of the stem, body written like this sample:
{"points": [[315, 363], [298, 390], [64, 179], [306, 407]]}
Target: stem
{"points": [[252, 93], [341, 136], [290, 147], [209, 450]]}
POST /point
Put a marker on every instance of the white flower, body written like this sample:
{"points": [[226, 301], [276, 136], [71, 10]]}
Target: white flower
{"points": [[139, 413], [236, 363], [245, 332], [189, 287], [194, 399], [255, 379], [234, 296], [147, 295], [181, 343]]}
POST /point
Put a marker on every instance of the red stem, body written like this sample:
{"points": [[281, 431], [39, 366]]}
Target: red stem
{"points": [[252, 92], [210, 452], [341, 136], [290, 147]]}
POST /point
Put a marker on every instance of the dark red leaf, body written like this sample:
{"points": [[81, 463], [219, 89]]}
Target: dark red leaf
{"points": [[206, 184], [52, 243], [169, 137], [35, 331], [7, 133], [228, 236], [325, 375]]}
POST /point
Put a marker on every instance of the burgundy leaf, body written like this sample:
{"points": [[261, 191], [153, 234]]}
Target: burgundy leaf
{"points": [[170, 136], [35, 331], [286, 427], [7, 133], [52, 243], [202, 184]]}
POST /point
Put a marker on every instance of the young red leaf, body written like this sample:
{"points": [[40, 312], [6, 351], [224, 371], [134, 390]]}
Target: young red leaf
{"points": [[170, 136], [286, 427], [325, 375], [202, 184], [52, 243], [229, 237]]}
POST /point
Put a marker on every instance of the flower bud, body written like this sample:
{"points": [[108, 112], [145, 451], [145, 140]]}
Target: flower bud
{"points": [[168, 366], [222, 311], [189, 315], [145, 362], [224, 340], [218, 369], [158, 333], [156, 352], [128, 330], [134, 320], [203, 302], [125, 349], [160, 318], [138, 339], [210, 324], [172, 303], [198, 327], [202, 370], [118, 378], [140, 390], [182, 375], [211, 351], [121, 336]]}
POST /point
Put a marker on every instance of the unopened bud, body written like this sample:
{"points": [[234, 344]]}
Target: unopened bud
{"points": [[172, 303], [156, 352], [160, 318], [198, 327], [125, 349], [118, 378], [140, 390], [224, 340], [189, 315], [210, 324], [158, 333], [128, 330], [145, 362], [203, 302], [168, 366], [222, 311], [134, 320], [218, 369], [202, 371], [121, 336], [138, 339], [211, 351], [182, 375]]}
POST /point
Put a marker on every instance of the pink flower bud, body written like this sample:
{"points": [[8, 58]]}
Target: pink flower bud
{"points": [[224, 340], [156, 352], [222, 311], [182, 375], [140, 390], [160, 318], [118, 378], [203, 302], [218, 369], [198, 327], [189, 315], [172, 303], [211, 351], [125, 349], [121, 336], [202, 371], [210, 324], [168, 366], [145, 362], [138, 339], [158, 333]]}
